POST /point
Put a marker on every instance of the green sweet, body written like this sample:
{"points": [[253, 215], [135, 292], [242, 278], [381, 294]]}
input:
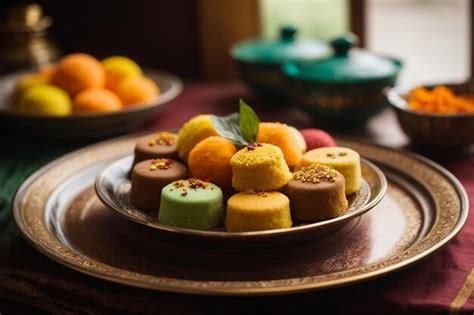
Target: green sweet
{"points": [[185, 205]]}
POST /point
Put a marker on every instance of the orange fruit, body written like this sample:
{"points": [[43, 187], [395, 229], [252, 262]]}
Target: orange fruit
{"points": [[119, 68], [47, 72], [77, 72], [96, 100], [136, 90]]}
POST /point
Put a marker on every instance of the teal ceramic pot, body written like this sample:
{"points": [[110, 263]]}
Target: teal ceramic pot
{"points": [[344, 89], [259, 61], [435, 130]]}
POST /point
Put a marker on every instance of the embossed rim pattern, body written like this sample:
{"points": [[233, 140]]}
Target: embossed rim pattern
{"points": [[450, 198]]}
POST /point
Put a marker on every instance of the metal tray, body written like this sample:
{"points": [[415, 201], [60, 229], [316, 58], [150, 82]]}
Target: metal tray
{"points": [[58, 212]]}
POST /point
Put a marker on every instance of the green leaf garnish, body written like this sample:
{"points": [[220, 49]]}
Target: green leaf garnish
{"points": [[228, 127], [239, 128], [248, 123]]}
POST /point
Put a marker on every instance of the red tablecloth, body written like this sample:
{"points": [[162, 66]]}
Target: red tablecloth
{"points": [[439, 284]]}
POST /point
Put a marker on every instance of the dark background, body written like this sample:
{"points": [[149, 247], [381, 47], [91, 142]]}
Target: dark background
{"points": [[158, 34]]}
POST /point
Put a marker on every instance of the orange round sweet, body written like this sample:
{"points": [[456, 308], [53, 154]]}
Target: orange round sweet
{"points": [[136, 90], [77, 72], [96, 100], [47, 72], [210, 160], [280, 135]]}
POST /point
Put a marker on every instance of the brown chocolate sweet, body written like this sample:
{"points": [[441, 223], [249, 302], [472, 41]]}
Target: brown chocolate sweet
{"points": [[159, 145], [316, 193], [148, 179]]}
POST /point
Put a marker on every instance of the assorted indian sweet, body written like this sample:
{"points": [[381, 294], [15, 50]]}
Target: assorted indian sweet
{"points": [[281, 135], [86, 85], [259, 167], [344, 160], [317, 138], [249, 160], [300, 141], [159, 145], [317, 192], [250, 211], [196, 129], [148, 179], [440, 99], [191, 203], [210, 160]]}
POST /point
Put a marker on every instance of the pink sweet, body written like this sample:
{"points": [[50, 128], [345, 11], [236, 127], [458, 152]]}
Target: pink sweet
{"points": [[317, 138]]}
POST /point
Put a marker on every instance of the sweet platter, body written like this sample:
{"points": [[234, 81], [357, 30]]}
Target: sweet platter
{"points": [[59, 213], [113, 189]]}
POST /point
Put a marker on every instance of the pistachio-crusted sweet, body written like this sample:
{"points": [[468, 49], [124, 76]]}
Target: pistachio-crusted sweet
{"points": [[191, 203], [259, 167], [159, 145], [316, 192]]}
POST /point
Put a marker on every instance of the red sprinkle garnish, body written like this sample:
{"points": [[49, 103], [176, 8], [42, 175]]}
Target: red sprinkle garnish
{"points": [[178, 184], [197, 183], [161, 164], [162, 138], [253, 146]]}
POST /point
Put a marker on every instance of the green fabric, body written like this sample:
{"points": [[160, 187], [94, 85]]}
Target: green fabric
{"points": [[19, 158]]}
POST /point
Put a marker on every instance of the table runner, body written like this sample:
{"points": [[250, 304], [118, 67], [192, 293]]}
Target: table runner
{"points": [[32, 283]]}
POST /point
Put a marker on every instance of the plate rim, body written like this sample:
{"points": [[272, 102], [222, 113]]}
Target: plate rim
{"points": [[177, 286], [242, 235]]}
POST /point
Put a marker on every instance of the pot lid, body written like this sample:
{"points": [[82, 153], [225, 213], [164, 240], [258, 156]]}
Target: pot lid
{"points": [[345, 65], [285, 48]]}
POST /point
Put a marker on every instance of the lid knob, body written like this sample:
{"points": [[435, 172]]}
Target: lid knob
{"points": [[342, 44], [287, 33]]}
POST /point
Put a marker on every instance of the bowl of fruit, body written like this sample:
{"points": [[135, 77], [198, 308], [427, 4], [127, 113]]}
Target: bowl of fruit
{"points": [[82, 97]]}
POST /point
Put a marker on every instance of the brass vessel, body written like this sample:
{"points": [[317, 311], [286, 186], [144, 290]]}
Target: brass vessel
{"points": [[23, 39]]}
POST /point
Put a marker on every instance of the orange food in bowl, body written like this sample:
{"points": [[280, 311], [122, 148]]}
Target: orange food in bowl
{"points": [[119, 68], [96, 100], [77, 72], [137, 90], [439, 100], [47, 72]]}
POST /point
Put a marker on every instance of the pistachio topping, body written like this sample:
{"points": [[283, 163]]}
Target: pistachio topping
{"points": [[315, 173], [163, 138], [160, 164]]}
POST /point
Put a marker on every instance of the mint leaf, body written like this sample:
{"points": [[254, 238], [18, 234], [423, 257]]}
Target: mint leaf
{"points": [[241, 129], [228, 127], [248, 123]]}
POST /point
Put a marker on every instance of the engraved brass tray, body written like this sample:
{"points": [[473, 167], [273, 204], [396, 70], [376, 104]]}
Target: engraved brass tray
{"points": [[58, 212]]}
